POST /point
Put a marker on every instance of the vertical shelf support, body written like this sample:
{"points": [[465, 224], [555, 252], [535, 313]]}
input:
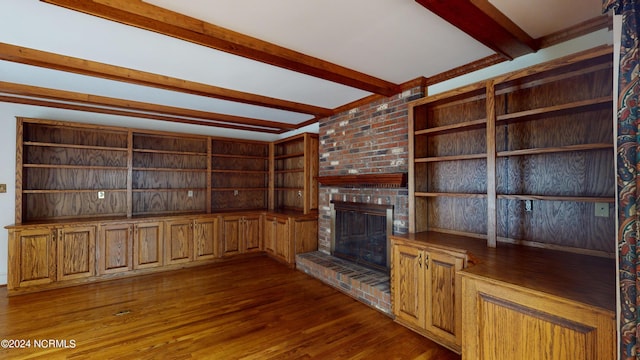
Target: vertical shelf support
{"points": [[491, 166]]}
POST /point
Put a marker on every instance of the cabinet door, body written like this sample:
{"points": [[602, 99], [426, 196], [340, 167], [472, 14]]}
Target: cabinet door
{"points": [[252, 233], [230, 231], [442, 312], [205, 238], [76, 252], [32, 258], [147, 248], [270, 235], [504, 321], [116, 248], [179, 241], [409, 278], [283, 243]]}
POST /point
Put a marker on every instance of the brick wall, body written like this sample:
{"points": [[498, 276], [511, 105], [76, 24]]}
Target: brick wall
{"points": [[365, 140]]}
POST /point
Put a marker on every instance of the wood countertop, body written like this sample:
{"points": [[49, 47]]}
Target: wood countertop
{"points": [[587, 279]]}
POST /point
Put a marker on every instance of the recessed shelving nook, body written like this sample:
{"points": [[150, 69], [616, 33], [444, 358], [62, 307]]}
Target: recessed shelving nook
{"points": [[239, 174], [169, 174], [97, 202]]}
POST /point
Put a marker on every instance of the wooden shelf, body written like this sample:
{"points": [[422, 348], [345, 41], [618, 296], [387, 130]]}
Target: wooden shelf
{"points": [[74, 167], [72, 146], [71, 191], [600, 103], [559, 149], [168, 190], [467, 125], [449, 194], [240, 156], [234, 171], [171, 170], [450, 158], [289, 156], [588, 199], [169, 152], [239, 189]]}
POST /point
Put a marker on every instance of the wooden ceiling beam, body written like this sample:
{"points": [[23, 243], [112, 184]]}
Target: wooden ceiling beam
{"points": [[146, 16], [213, 119], [485, 23], [116, 112], [49, 60]]}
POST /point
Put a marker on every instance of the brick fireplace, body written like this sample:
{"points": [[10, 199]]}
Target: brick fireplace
{"points": [[369, 139]]}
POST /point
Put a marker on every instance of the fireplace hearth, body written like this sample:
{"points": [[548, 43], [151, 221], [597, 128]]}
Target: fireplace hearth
{"points": [[360, 233]]}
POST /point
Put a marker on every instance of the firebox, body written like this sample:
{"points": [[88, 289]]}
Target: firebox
{"points": [[360, 232]]}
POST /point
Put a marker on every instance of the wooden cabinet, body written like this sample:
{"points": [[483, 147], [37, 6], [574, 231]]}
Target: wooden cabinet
{"points": [[424, 291], [288, 235], [116, 248], [76, 252], [277, 239], [32, 257], [205, 238], [40, 256], [239, 174], [241, 234], [178, 241], [505, 321], [148, 241], [295, 166]]}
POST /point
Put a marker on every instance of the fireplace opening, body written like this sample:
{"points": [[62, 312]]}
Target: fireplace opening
{"points": [[360, 233]]}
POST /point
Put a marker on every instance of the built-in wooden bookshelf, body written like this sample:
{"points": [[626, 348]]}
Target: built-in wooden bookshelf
{"points": [[70, 171], [524, 157], [239, 174], [295, 169], [169, 174]]}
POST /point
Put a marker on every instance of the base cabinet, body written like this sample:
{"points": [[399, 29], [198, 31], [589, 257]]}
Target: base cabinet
{"points": [[147, 245], [76, 252], [423, 285], [179, 241], [285, 236], [205, 238], [505, 321], [32, 257], [116, 248], [240, 234], [50, 255]]}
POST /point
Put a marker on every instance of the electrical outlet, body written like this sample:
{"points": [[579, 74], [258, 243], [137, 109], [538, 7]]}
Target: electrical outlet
{"points": [[3, 188], [190, 193], [528, 205], [100, 194], [602, 209]]}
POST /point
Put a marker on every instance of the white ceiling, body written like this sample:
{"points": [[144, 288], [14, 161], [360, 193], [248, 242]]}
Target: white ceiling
{"points": [[395, 40]]}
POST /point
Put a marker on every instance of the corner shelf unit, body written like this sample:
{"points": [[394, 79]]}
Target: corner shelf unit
{"points": [[541, 136], [239, 174], [295, 170]]}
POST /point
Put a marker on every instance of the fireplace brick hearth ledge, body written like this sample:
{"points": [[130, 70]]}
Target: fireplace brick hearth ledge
{"points": [[368, 286]]}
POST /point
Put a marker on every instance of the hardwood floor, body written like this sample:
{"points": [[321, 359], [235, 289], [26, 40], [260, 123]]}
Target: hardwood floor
{"points": [[250, 308]]}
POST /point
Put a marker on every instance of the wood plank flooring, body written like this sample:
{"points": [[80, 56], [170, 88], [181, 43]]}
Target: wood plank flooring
{"points": [[250, 308]]}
